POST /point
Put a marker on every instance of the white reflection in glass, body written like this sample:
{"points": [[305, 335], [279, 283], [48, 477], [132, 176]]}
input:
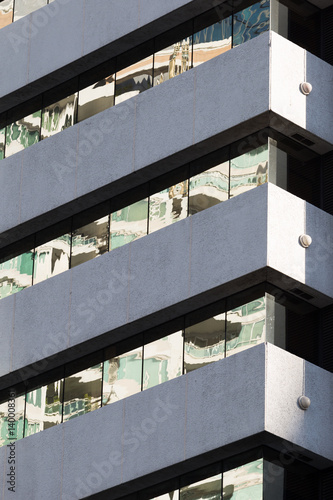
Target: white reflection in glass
{"points": [[212, 41], [82, 392], [2, 143], [168, 206], [11, 425], [163, 360], [251, 22], [52, 258], [204, 343], [246, 326], [23, 133], [209, 188], [90, 241], [6, 13], [249, 170], [96, 98], [25, 7], [173, 60], [135, 79], [58, 116], [122, 376], [207, 489], [16, 274], [129, 224], [43, 408], [245, 482], [172, 495]]}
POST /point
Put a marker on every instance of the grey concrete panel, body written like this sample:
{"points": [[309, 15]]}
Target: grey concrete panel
{"points": [[3, 471], [10, 182], [7, 309]]}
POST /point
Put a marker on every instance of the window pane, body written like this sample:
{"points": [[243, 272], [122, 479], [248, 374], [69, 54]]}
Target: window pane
{"points": [[168, 206], [23, 133], [209, 188], [6, 13], [208, 489], [173, 60], [24, 7], [96, 98], [172, 495], [122, 376], [2, 142], [249, 170], [163, 360], [244, 482], [43, 408], [204, 343], [134, 79], [58, 116], [129, 224], [52, 258], [90, 241], [212, 41], [246, 326], [16, 274], [251, 22], [12, 429], [82, 392]]}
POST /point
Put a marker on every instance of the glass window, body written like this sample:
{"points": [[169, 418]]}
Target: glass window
{"points": [[251, 22], [163, 360], [168, 206], [23, 133], [134, 79], [209, 188], [90, 241], [43, 408], [173, 60], [11, 420], [172, 495], [207, 489], [58, 116], [96, 98], [122, 376], [82, 392], [244, 482], [25, 7], [212, 41], [204, 343], [2, 142], [6, 13], [129, 224], [249, 170], [52, 258], [245, 326], [16, 274]]}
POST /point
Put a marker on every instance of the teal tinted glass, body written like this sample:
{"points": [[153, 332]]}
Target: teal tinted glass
{"points": [[11, 420], [59, 116], [90, 241], [212, 41], [2, 143], [168, 206], [43, 408], [122, 376], [129, 224], [23, 133], [251, 22], [96, 98], [245, 482], [82, 392], [6, 12], [16, 274], [249, 170], [207, 489], [52, 258], [209, 188]]}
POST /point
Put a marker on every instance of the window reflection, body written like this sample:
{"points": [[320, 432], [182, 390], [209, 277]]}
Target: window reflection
{"points": [[244, 482], [122, 376], [11, 429], [251, 22], [212, 41], [173, 60], [58, 116], [82, 392], [134, 79], [52, 258], [172, 495], [43, 408], [25, 7], [129, 224], [163, 360], [2, 143], [16, 274], [168, 206], [249, 170], [207, 489], [209, 188], [90, 241], [23, 133], [96, 98], [6, 12]]}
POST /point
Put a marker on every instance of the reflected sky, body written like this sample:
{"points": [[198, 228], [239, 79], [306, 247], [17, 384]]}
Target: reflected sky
{"points": [[251, 22], [212, 41]]}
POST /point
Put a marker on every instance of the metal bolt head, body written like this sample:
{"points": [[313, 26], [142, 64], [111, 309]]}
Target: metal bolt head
{"points": [[305, 88], [303, 402], [305, 240]]}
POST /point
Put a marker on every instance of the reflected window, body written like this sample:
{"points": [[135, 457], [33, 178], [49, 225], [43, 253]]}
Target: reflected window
{"points": [[129, 224], [122, 376], [133, 80], [23, 133], [244, 482], [6, 13], [209, 188], [52, 258], [58, 116], [204, 343], [25, 7], [251, 22], [212, 41], [82, 392], [168, 206], [16, 274], [245, 326], [2, 143], [90, 241], [207, 489], [43, 408], [96, 98], [163, 360], [249, 170], [173, 60], [11, 420]]}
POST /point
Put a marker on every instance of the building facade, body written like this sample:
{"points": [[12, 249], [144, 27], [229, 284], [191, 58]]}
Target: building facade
{"points": [[166, 244]]}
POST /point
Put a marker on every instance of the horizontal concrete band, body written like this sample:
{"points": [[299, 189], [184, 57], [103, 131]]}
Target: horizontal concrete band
{"points": [[247, 240], [203, 413], [163, 128]]}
